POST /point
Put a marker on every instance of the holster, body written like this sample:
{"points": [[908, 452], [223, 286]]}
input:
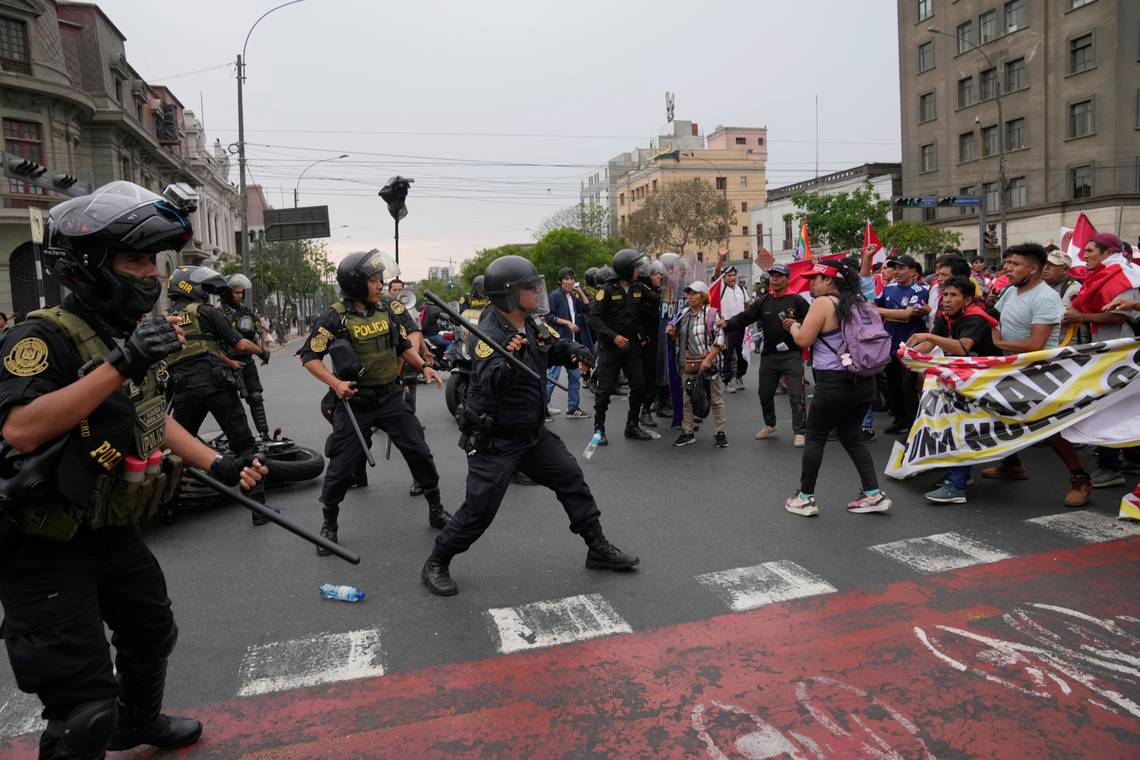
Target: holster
{"points": [[478, 431], [226, 377]]}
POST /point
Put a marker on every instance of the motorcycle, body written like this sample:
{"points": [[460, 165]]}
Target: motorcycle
{"points": [[459, 361]]}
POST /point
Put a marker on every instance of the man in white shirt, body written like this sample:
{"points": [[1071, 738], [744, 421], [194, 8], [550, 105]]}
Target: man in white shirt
{"points": [[733, 300]]}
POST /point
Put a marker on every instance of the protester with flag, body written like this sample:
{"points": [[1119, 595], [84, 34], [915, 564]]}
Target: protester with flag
{"points": [[730, 298]]}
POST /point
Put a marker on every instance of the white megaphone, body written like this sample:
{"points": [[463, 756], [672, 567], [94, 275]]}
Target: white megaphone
{"points": [[407, 297]]}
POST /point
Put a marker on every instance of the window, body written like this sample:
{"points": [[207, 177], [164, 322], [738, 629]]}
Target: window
{"points": [[24, 139], [966, 39], [1015, 78], [1015, 135], [929, 158], [1081, 118], [988, 25], [744, 231], [1081, 182], [1015, 15], [925, 9], [926, 107], [990, 144], [741, 140], [743, 181], [759, 140], [787, 234], [722, 183], [1018, 193], [1078, 3], [14, 46], [929, 213], [925, 56], [1081, 57], [968, 190], [990, 190], [744, 206], [760, 233], [621, 199], [654, 185], [967, 147], [965, 92], [988, 84], [139, 111]]}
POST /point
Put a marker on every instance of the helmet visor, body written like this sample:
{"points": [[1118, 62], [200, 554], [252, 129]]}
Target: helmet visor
{"points": [[236, 281], [643, 267], [91, 213], [208, 279], [530, 295]]}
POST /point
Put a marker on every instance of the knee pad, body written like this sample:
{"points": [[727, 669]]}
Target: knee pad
{"points": [[87, 729]]}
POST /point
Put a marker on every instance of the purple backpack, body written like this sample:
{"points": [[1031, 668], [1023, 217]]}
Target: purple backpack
{"points": [[866, 345]]}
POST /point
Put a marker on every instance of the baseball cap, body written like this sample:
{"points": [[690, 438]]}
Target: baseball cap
{"points": [[823, 269], [696, 286], [1059, 258], [907, 261], [780, 269], [1108, 241]]}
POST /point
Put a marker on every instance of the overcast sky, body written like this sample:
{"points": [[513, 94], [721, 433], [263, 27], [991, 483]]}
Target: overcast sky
{"points": [[498, 108]]}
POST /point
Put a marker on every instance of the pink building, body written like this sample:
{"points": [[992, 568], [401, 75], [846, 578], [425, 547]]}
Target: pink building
{"points": [[752, 139]]}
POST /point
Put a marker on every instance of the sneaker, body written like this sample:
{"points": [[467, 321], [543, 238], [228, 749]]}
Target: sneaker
{"points": [[946, 494], [865, 503], [943, 481], [866, 435], [577, 414], [739, 383], [798, 441], [720, 440], [1003, 471], [551, 410], [800, 506], [1102, 478], [766, 432], [729, 387], [549, 419], [1080, 488], [685, 439]]}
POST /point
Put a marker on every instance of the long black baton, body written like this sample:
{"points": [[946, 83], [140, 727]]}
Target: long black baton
{"points": [[356, 427], [510, 357], [272, 515]]}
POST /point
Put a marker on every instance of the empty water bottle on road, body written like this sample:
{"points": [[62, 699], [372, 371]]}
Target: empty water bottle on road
{"points": [[592, 446], [653, 433], [343, 593]]}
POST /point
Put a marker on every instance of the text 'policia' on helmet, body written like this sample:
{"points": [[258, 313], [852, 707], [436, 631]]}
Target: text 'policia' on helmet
{"points": [[84, 233], [630, 261], [195, 283], [356, 269], [508, 277]]}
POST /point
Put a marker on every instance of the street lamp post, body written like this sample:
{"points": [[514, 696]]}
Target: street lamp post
{"points": [[297, 189], [1000, 128], [246, 265]]}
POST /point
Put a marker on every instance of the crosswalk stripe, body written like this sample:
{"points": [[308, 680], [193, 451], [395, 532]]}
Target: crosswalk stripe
{"points": [[941, 552], [746, 588], [19, 714], [1088, 526], [546, 624], [311, 661]]}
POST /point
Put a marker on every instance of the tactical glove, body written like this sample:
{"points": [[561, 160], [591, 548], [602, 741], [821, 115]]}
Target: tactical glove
{"points": [[227, 468], [152, 341], [264, 356]]}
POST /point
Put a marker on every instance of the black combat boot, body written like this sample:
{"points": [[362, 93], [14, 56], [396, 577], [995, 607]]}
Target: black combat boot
{"points": [[436, 575], [141, 720], [647, 419], [329, 528], [603, 555], [437, 515], [257, 411], [416, 489], [635, 433]]}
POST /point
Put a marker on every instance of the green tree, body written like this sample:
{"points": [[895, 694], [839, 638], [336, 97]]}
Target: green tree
{"points": [[588, 218], [567, 248], [475, 266], [840, 219], [918, 239], [683, 214], [297, 274], [448, 290]]}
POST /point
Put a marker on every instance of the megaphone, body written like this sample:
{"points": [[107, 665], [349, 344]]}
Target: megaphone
{"points": [[407, 297]]}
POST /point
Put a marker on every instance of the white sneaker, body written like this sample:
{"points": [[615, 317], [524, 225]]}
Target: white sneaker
{"points": [[729, 387], [766, 432], [739, 383], [864, 504], [552, 411]]}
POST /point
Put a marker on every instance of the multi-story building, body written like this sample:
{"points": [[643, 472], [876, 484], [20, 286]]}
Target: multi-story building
{"points": [[439, 273], [754, 140], [217, 224], [772, 224], [1040, 92]]}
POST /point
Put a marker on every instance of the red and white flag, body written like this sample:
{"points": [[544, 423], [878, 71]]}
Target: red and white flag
{"points": [[869, 239], [1073, 241]]}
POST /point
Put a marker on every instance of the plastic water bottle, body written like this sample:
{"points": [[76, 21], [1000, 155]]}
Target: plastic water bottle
{"points": [[653, 433], [592, 446], [343, 593]]}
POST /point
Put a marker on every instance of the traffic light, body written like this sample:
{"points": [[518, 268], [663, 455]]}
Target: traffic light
{"points": [[24, 168], [33, 173], [909, 202]]}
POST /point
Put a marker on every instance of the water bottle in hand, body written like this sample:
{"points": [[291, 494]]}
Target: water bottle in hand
{"points": [[343, 593], [592, 446]]}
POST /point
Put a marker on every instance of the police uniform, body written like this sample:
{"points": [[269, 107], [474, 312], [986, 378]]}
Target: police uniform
{"points": [[649, 314], [377, 338], [504, 431], [617, 311], [242, 319], [73, 558], [202, 382]]}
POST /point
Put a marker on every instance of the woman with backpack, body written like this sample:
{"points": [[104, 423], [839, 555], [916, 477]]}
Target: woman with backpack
{"points": [[848, 347]]}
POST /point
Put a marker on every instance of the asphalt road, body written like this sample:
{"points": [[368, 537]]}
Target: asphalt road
{"points": [[689, 513]]}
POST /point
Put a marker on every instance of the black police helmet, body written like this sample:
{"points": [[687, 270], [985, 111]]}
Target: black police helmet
{"points": [[356, 269], [477, 288], [590, 276], [605, 276], [195, 283], [627, 261], [506, 276]]}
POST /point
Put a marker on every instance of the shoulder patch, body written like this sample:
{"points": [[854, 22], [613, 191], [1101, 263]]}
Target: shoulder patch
{"points": [[600, 295], [319, 342], [482, 350], [396, 307], [27, 358], [553, 332]]}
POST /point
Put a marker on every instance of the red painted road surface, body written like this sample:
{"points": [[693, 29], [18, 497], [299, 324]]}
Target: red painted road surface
{"points": [[1036, 657]]}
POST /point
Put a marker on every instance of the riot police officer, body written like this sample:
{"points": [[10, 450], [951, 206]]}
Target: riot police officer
{"points": [[615, 323], [81, 391], [245, 322], [649, 314], [476, 299], [204, 379], [503, 425], [364, 337]]}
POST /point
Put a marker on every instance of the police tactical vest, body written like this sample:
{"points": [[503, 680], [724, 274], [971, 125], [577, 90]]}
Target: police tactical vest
{"points": [[114, 502], [241, 319], [375, 339], [198, 343]]}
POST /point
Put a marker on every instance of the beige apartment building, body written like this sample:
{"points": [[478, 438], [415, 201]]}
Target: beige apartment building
{"points": [[1054, 85], [735, 171]]}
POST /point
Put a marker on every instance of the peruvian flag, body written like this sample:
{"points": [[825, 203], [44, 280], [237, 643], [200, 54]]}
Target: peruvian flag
{"points": [[1073, 241], [798, 281], [871, 239], [1114, 276]]}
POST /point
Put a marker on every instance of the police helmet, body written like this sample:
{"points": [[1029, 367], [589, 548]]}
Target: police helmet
{"points": [[507, 276], [83, 234], [605, 276], [356, 269], [590, 276], [195, 283], [238, 282], [477, 287], [656, 267], [629, 262]]}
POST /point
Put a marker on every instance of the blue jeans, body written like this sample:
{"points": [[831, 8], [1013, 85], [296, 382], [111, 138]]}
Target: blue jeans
{"points": [[573, 376], [869, 418], [958, 477]]}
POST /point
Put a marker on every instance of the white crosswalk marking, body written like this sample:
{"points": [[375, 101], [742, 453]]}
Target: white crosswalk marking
{"points": [[1088, 526], [940, 552], [545, 624], [746, 588], [326, 658], [19, 714]]}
